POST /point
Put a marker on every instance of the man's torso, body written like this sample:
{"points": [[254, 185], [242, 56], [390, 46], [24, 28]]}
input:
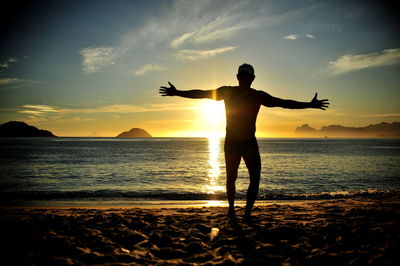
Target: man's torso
{"points": [[242, 107]]}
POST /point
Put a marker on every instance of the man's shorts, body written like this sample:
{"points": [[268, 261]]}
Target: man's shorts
{"points": [[240, 147]]}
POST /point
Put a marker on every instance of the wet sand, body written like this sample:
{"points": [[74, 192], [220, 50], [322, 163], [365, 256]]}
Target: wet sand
{"points": [[330, 232]]}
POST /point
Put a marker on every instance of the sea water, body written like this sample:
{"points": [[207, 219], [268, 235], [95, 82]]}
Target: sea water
{"points": [[191, 168]]}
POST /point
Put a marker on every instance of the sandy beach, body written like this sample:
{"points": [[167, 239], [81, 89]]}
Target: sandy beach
{"points": [[330, 232]]}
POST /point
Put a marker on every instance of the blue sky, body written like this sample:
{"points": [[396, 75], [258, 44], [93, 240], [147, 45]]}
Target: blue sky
{"points": [[81, 68]]}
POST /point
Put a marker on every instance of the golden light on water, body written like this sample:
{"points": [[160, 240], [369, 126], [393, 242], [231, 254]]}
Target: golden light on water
{"points": [[213, 115], [216, 203], [213, 166]]}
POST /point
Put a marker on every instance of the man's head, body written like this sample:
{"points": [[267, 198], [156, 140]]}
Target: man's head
{"points": [[245, 75]]}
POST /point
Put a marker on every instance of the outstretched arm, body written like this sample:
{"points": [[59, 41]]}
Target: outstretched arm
{"points": [[193, 94], [271, 101]]}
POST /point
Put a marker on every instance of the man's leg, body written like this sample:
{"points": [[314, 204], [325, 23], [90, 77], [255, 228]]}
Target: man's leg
{"points": [[253, 163], [232, 162]]}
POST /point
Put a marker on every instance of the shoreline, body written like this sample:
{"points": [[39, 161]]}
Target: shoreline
{"points": [[145, 204], [356, 231], [182, 202]]}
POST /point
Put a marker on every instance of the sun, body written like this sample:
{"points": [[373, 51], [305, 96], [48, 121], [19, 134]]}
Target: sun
{"points": [[213, 113]]}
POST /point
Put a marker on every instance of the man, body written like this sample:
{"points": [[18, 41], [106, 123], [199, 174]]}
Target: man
{"points": [[242, 104]]}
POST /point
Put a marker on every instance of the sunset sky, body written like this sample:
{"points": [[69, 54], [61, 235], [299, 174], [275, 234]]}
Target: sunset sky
{"points": [[93, 68]]}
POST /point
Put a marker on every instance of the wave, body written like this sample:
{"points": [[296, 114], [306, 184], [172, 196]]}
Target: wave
{"points": [[368, 193], [108, 195]]}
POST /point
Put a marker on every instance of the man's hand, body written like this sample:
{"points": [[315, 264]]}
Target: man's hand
{"points": [[320, 104], [168, 91]]}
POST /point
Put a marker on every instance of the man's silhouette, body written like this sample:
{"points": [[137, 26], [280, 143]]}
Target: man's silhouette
{"points": [[242, 104]]}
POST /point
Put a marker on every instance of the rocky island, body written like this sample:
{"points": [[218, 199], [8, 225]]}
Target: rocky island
{"points": [[135, 133], [381, 130], [22, 129]]}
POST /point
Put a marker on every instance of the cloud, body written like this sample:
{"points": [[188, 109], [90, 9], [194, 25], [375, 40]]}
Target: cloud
{"points": [[42, 108], [213, 22], [14, 83], [47, 110], [39, 110], [291, 37], [194, 55], [8, 62], [40, 113], [217, 29], [31, 112], [128, 108], [7, 81], [181, 23], [96, 58], [4, 65], [296, 36], [385, 115], [149, 68], [181, 39], [349, 63]]}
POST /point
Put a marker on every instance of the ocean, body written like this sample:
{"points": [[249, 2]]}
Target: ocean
{"points": [[157, 169]]}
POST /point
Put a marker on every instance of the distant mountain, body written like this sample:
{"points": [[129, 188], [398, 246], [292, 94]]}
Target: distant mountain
{"points": [[377, 130], [305, 129], [135, 133], [22, 129]]}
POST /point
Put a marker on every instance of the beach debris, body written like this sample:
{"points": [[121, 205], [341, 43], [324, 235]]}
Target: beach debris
{"points": [[214, 233], [125, 250]]}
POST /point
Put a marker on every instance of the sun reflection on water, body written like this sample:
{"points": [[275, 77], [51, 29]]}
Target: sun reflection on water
{"points": [[213, 166], [216, 203]]}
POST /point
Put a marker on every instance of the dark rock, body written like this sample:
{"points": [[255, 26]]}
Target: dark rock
{"points": [[135, 133], [22, 129], [374, 130]]}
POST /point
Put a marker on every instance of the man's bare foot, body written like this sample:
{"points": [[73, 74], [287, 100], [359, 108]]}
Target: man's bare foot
{"points": [[231, 213], [247, 216], [247, 219]]}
